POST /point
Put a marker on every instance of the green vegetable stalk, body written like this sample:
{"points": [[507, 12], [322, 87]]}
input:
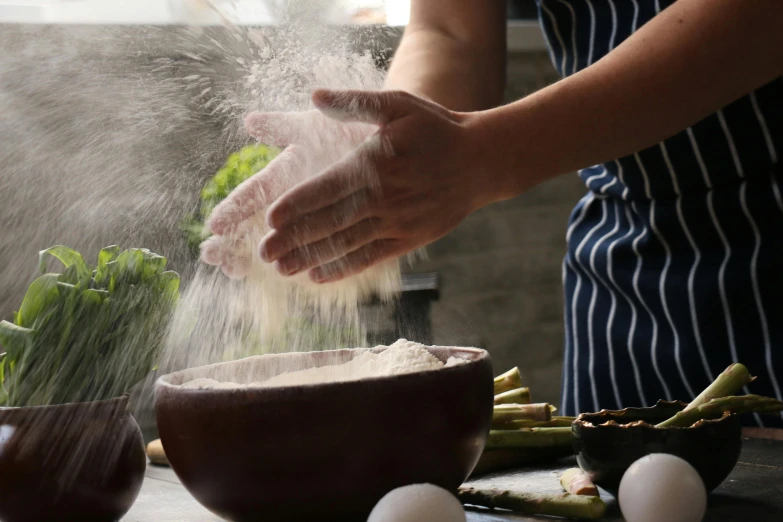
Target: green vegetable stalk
{"points": [[87, 333], [555, 422], [529, 438], [565, 505], [729, 382], [510, 380], [717, 407], [505, 414], [576, 482], [517, 396], [494, 460]]}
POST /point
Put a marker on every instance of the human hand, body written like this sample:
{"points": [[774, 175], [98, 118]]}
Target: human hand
{"points": [[312, 142], [415, 179]]}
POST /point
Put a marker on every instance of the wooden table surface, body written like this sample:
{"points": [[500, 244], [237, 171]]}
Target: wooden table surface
{"points": [[753, 492]]}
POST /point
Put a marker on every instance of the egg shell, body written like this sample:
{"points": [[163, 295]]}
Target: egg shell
{"points": [[418, 503], [662, 487]]}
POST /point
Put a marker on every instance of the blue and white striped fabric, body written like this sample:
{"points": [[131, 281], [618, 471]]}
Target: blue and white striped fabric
{"points": [[675, 255]]}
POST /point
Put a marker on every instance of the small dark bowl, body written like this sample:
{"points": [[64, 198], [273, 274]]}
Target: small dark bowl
{"points": [[605, 452], [323, 452], [82, 462]]}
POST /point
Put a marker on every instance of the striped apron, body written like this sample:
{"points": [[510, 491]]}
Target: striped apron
{"points": [[674, 267]]}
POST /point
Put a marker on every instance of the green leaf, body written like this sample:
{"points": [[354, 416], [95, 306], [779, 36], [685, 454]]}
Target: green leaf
{"points": [[153, 264], [73, 276], [67, 256], [3, 392], [109, 253], [167, 283], [94, 296], [40, 294], [15, 339], [131, 265]]}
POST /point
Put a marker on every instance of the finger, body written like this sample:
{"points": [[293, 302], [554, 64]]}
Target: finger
{"points": [[236, 267], [378, 107], [211, 251], [316, 226], [278, 129], [233, 260], [256, 192], [327, 250], [357, 261], [347, 176]]}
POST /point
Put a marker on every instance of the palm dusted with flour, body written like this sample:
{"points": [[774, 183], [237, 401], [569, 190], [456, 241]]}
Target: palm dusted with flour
{"points": [[410, 180]]}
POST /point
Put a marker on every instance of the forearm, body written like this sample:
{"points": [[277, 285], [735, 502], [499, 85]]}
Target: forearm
{"points": [[453, 73], [694, 58]]}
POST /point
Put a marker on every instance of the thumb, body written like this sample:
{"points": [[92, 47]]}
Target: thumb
{"points": [[378, 107]]}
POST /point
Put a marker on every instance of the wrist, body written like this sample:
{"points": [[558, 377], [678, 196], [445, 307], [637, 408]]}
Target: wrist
{"points": [[497, 144]]}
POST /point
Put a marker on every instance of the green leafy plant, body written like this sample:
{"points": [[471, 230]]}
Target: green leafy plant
{"points": [[86, 333], [238, 167]]}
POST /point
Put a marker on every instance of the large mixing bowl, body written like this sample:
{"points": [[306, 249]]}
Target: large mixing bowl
{"points": [[323, 452]]}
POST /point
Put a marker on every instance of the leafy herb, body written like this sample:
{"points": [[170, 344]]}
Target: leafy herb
{"points": [[238, 167], [86, 333]]}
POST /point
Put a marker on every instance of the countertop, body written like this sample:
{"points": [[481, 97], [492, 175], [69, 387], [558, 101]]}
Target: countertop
{"points": [[753, 492]]}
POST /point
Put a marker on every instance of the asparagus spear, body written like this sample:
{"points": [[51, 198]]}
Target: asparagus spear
{"points": [[516, 396], [503, 414], [555, 422], [716, 407], [565, 505], [503, 459], [529, 438], [729, 382], [510, 380], [576, 482]]}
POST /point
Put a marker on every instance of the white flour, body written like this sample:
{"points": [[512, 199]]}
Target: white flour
{"points": [[221, 319], [400, 358]]}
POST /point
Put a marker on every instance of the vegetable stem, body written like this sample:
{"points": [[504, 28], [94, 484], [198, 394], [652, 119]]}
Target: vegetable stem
{"points": [[510, 380], [565, 505], [504, 414], [576, 482], [529, 438], [516, 396], [717, 407], [729, 382]]}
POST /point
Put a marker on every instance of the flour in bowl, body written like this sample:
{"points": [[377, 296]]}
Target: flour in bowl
{"points": [[400, 358]]}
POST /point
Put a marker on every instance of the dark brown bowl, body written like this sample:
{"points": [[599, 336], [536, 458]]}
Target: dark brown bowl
{"points": [[324, 452], [605, 452], [69, 462]]}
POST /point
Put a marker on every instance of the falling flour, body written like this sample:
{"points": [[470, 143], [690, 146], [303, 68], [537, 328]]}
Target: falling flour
{"points": [[402, 357], [220, 318]]}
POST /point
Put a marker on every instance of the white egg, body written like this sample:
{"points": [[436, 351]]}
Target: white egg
{"points": [[418, 503], [662, 487]]}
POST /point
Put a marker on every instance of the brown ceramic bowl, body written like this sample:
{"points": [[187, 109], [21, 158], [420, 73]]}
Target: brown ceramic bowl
{"points": [[605, 452], [323, 452], [69, 462]]}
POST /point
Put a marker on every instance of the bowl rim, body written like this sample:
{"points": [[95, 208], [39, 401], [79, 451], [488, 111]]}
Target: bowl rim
{"points": [[162, 383], [583, 424], [120, 404]]}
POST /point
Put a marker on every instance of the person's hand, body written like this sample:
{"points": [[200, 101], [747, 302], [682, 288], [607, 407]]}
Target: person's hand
{"points": [[414, 180], [312, 142]]}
